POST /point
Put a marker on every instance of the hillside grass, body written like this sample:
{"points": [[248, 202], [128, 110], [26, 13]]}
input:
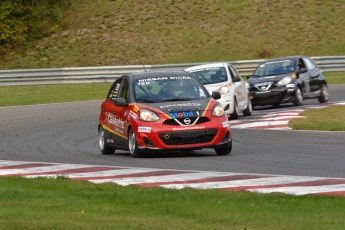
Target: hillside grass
{"points": [[64, 204], [122, 32]]}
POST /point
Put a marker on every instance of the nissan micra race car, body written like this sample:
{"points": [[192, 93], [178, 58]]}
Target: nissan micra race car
{"points": [[287, 79], [224, 78], [163, 110]]}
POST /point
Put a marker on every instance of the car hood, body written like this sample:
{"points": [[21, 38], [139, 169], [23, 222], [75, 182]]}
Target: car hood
{"points": [[191, 108], [274, 79], [214, 87]]}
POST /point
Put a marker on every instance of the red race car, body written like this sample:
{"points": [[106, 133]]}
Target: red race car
{"points": [[162, 110]]}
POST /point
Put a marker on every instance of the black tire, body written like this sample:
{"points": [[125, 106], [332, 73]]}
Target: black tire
{"points": [[103, 145], [248, 111], [298, 97], [234, 114], [224, 149], [133, 144], [324, 94]]}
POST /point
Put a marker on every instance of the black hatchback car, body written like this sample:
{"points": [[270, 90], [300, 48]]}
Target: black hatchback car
{"points": [[287, 79]]}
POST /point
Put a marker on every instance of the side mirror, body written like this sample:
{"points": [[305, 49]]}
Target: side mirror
{"points": [[236, 79], [303, 70], [216, 95], [120, 102]]}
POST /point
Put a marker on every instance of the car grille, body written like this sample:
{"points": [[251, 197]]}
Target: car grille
{"points": [[182, 121], [188, 137], [258, 89]]}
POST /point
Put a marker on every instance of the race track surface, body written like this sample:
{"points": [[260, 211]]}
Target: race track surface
{"points": [[67, 133]]}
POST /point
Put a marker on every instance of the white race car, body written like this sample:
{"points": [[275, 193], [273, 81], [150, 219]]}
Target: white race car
{"points": [[224, 78]]}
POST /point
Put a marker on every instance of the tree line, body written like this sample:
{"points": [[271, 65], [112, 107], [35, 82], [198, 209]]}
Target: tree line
{"points": [[24, 20]]}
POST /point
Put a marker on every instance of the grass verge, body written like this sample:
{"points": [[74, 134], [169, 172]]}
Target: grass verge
{"points": [[37, 94], [42, 94], [64, 204], [327, 119], [335, 77]]}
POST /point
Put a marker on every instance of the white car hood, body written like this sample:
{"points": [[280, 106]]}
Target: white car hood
{"points": [[214, 87]]}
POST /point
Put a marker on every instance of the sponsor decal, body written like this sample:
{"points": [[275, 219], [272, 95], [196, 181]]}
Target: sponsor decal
{"points": [[189, 128], [116, 133], [116, 121], [180, 77], [132, 114], [180, 105], [142, 129], [263, 84], [225, 124], [121, 131], [147, 81], [182, 114]]}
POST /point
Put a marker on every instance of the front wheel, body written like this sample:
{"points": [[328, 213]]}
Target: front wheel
{"points": [[298, 97], [234, 114], [133, 145], [324, 94], [224, 149], [248, 111], [102, 142]]}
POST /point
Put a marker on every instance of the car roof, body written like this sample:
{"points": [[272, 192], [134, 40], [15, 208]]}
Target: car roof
{"points": [[284, 58], [151, 74], [209, 65]]}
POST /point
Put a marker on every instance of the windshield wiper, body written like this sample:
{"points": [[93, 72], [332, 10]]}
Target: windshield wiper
{"points": [[179, 99], [146, 100]]}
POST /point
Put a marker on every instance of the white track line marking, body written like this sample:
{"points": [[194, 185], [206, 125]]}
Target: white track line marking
{"points": [[178, 179]]}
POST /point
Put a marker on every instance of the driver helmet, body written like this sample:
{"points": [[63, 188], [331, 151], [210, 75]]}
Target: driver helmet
{"points": [[175, 87]]}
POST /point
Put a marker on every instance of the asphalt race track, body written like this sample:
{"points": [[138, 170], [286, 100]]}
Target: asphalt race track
{"points": [[67, 133]]}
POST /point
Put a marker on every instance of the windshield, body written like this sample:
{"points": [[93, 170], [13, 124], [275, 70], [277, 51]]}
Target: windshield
{"points": [[275, 68], [211, 75], [159, 89]]}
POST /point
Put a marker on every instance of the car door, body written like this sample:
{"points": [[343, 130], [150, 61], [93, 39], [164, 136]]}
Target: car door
{"points": [[314, 75], [304, 76], [239, 87], [116, 121]]}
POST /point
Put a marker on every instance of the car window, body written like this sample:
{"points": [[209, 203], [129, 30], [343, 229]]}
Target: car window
{"points": [[234, 73], [124, 90], [309, 64], [301, 64], [275, 68], [114, 90], [159, 89], [211, 75]]}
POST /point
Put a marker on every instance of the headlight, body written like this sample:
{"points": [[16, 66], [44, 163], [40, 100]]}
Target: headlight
{"points": [[218, 111], [284, 81], [224, 90], [148, 115]]}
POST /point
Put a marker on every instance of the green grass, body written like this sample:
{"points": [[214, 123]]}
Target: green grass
{"points": [[36, 94], [63, 204], [41, 94], [335, 77], [122, 32], [328, 119]]}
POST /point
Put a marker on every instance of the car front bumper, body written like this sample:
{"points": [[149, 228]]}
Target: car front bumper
{"points": [[167, 137], [277, 96]]}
